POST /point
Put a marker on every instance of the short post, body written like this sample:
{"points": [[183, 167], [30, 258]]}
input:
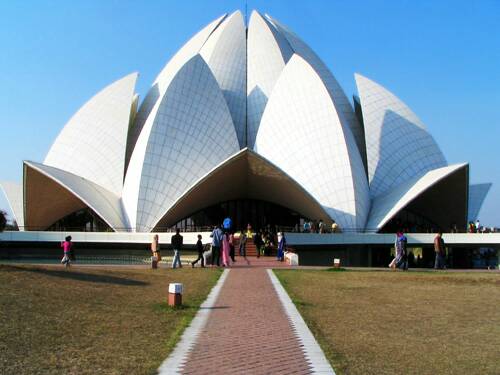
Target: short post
{"points": [[175, 294], [336, 263]]}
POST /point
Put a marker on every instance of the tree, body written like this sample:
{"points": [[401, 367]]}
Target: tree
{"points": [[3, 220]]}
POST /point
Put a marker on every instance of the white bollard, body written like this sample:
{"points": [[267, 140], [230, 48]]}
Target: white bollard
{"points": [[175, 294]]}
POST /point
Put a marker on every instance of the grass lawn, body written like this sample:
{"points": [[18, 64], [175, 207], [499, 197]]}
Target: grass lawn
{"points": [[401, 323], [100, 320]]}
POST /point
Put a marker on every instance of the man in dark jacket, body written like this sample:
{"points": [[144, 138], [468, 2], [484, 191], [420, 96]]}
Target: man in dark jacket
{"points": [[176, 242], [199, 248]]}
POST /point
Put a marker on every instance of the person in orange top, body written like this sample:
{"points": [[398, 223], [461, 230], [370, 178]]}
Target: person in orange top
{"points": [[155, 250]]}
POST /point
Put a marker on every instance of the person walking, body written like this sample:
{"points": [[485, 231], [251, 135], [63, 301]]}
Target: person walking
{"points": [[155, 251], [231, 246], [440, 251], [402, 251], [257, 240], [242, 246], [321, 226], [199, 248], [176, 242], [394, 260], [401, 257], [216, 245], [225, 250], [281, 246], [67, 247]]}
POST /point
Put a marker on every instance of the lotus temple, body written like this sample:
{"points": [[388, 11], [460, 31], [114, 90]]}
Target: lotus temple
{"points": [[244, 121]]}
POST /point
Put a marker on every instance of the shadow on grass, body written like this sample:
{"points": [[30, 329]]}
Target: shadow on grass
{"points": [[80, 276], [298, 302], [336, 269], [164, 306]]}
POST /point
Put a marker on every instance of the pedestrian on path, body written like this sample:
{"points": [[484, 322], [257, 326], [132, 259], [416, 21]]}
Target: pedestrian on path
{"points": [[67, 246], [281, 246], [402, 252], [155, 251], [231, 246], [216, 245], [225, 250], [199, 248], [440, 251], [243, 242], [401, 256], [176, 242], [259, 242]]}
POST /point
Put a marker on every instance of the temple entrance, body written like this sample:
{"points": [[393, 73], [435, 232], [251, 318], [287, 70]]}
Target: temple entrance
{"points": [[260, 214]]}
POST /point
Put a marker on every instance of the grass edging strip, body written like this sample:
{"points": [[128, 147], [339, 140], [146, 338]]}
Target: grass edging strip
{"points": [[177, 358], [312, 351]]}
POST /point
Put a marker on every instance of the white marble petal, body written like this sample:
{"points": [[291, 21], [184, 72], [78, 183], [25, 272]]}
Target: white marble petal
{"points": [[104, 203], [190, 134], [150, 103], [387, 205], [340, 100], [268, 52], [225, 54], [398, 145], [92, 144], [302, 134]]}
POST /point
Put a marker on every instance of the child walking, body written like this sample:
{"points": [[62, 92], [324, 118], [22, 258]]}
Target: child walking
{"points": [[67, 246]]}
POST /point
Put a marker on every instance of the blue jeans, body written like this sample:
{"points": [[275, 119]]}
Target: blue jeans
{"points": [[439, 263], [177, 259]]}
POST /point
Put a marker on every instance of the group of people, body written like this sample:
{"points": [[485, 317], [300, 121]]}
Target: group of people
{"points": [[221, 250], [401, 258], [476, 227], [176, 241], [313, 226]]}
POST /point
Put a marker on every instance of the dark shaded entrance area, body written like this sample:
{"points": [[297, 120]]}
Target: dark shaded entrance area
{"points": [[84, 220], [260, 214], [245, 177]]}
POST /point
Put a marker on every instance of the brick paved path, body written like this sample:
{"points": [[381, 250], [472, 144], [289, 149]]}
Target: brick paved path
{"points": [[247, 331]]}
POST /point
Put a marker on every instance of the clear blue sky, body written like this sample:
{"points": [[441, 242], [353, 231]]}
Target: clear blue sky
{"points": [[441, 57]]}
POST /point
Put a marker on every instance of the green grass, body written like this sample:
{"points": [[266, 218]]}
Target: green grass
{"points": [[401, 323], [102, 320]]}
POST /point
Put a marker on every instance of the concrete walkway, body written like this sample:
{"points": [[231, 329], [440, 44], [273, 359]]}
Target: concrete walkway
{"points": [[247, 331]]}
